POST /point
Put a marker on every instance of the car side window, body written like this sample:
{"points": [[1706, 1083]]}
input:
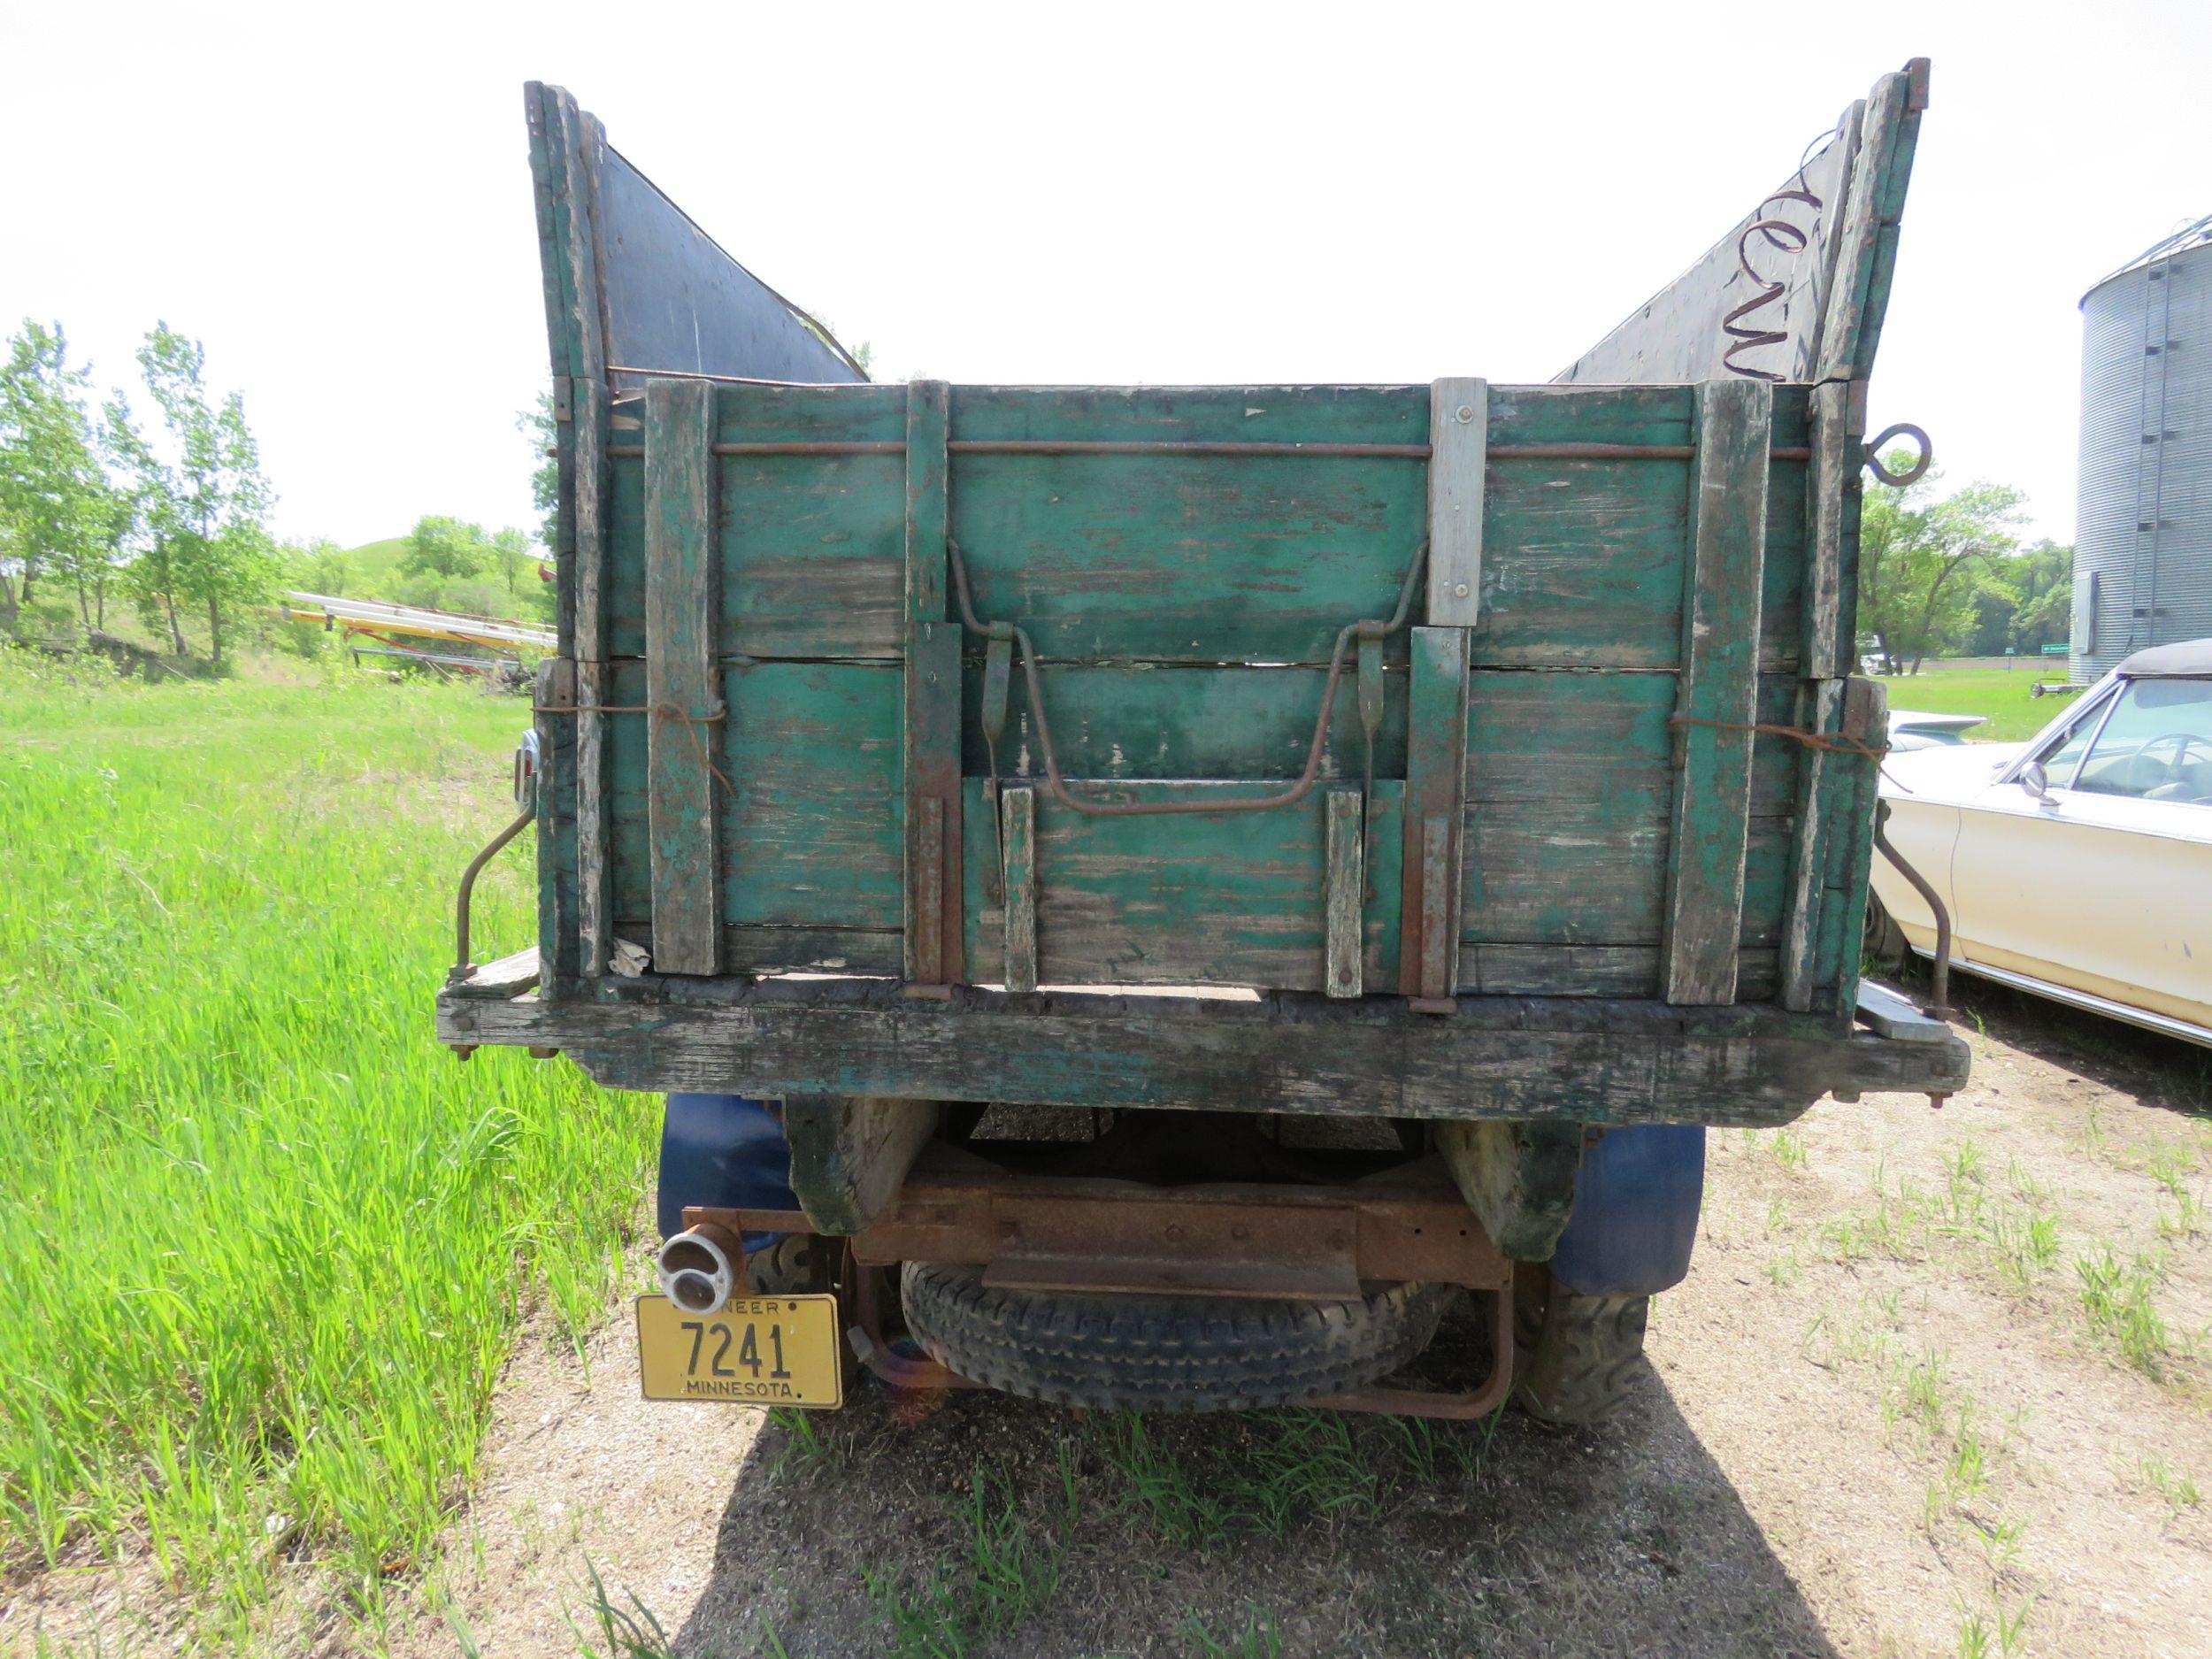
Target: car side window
{"points": [[2157, 746], [2060, 763]]}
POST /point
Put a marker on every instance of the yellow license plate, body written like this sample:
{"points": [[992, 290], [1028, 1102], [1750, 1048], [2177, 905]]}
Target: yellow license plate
{"points": [[758, 1351]]}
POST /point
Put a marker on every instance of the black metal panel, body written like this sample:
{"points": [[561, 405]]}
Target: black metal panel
{"points": [[676, 301]]}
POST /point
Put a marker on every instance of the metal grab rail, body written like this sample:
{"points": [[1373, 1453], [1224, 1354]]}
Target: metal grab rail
{"points": [[1939, 979], [1301, 787], [462, 966]]}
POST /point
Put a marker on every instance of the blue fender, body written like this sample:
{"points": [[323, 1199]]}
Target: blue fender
{"points": [[1635, 1212], [726, 1150]]}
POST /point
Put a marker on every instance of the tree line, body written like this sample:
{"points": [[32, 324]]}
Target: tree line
{"points": [[1946, 574], [174, 521], [166, 513]]}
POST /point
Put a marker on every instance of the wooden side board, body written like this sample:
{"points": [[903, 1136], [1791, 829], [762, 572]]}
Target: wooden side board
{"points": [[1271, 553], [843, 704]]}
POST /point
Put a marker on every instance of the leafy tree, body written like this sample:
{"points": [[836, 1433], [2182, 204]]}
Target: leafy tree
{"points": [[56, 508], [320, 566], [2044, 577], [510, 551], [206, 502], [545, 478], [446, 548], [1921, 560]]}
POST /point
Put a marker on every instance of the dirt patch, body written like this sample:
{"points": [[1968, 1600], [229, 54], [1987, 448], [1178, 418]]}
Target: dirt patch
{"points": [[1938, 1384]]}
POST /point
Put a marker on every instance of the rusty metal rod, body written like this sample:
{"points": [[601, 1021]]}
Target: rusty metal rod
{"points": [[462, 966], [1939, 978], [1299, 788]]}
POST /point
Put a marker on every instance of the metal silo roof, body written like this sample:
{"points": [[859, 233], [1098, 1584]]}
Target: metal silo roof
{"points": [[2165, 247]]}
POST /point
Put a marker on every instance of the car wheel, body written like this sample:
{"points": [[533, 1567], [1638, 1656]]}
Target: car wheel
{"points": [[1885, 941], [1576, 1358]]}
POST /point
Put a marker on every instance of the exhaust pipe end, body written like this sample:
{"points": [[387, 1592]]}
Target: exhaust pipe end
{"points": [[699, 1268]]}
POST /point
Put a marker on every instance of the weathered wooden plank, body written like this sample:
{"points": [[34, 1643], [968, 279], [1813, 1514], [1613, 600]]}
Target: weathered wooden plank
{"points": [[1851, 321], [1825, 777], [1132, 720], [928, 416], [935, 952], [1597, 748], [849, 1154], [1271, 557], [587, 576], [1585, 562], [1459, 436], [811, 824], [1537, 876], [1585, 1060], [1502, 970], [1019, 886], [554, 691], [1436, 776], [1191, 899], [1344, 894], [682, 687], [1712, 803], [1828, 649], [1866, 720], [1518, 1178]]}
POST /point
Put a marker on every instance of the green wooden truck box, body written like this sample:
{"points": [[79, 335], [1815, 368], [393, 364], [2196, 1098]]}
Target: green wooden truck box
{"points": [[1454, 752]]}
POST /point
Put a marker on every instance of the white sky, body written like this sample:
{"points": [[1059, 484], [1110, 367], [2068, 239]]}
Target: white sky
{"points": [[1109, 193]]}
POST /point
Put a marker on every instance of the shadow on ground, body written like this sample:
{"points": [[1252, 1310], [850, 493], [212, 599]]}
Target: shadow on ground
{"points": [[975, 1524]]}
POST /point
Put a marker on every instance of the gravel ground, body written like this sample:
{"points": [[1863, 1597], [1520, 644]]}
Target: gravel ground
{"points": [[1938, 1383]]}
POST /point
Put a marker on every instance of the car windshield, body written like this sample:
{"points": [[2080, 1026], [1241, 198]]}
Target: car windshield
{"points": [[2157, 746]]}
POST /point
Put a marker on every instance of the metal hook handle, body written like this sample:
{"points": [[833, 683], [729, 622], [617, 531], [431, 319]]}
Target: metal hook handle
{"points": [[1902, 429]]}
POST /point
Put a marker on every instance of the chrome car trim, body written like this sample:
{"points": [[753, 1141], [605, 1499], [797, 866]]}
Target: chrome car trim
{"points": [[2089, 1003]]}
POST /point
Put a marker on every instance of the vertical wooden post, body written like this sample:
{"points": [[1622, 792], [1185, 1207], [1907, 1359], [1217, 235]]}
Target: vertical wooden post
{"points": [[1825, 652], [1718, 697], [1459, 437], [934, 946], [1019, 809], [595, 787], [686, 721], [1435, 813], [1345, 895], [1866, 718]]}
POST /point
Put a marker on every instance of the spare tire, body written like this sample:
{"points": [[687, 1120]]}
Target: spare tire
{"points": [[1163, 1352]]}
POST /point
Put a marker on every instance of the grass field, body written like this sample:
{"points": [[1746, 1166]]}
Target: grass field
{"points": [[2000, 693], [264, 1246]]}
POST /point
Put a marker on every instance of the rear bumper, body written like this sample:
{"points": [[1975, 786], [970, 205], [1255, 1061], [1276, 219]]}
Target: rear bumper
{"points": [[1583, 1059]]}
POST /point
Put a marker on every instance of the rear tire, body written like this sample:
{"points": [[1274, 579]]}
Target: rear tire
{"points": [[1163, 1352], [1576, 1359]]}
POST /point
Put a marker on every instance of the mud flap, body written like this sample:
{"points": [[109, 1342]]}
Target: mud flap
{"points": [[723, 1151], [1635, 1212]]}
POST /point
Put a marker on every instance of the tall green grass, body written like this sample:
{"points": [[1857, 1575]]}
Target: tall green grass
{"points": [[263, 1246]]}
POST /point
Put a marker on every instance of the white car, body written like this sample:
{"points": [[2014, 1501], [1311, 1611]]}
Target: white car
{"points": [[1909, 728], [2078, 865]]}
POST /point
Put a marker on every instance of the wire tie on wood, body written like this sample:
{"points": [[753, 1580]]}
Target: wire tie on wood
{"points": [[667, 712], [1834, 742]]}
